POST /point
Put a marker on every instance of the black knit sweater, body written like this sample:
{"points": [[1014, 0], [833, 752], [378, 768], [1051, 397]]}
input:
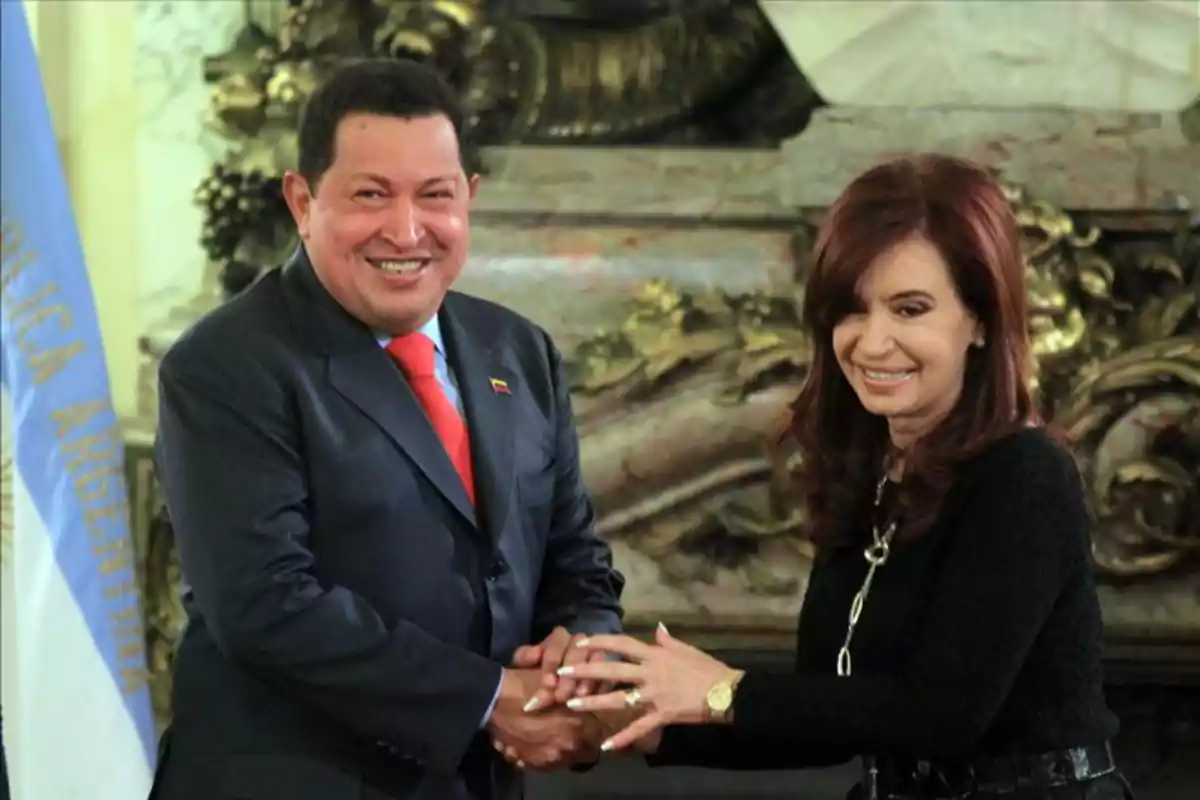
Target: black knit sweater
{"points": [[981, 638]]}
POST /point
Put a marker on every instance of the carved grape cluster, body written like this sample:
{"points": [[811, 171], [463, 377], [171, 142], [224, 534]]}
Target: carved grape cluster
{"points": [[235, 202]]}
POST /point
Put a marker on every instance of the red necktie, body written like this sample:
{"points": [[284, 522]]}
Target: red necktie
{"points": [[414, 352]]}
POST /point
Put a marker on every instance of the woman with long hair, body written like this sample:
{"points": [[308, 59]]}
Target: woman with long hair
{"points": [[951, 634]]}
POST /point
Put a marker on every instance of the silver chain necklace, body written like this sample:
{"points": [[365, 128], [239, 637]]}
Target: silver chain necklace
{"points": [[876, 553]]}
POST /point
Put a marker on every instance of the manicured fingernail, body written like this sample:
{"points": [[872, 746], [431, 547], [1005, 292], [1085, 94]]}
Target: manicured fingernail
{"points": [[566, 670], [608, 745], [583, 642], [574, 704], [663, 628], [533, 704]]}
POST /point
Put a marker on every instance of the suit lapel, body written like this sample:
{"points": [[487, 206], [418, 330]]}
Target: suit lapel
{"points": [[362, 372], [489, 411], [370, 380]]}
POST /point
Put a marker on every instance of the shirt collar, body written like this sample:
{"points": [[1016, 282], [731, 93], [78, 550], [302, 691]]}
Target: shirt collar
{"points": [[432, 329]]}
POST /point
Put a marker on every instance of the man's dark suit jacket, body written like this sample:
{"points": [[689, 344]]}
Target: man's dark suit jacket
{"points": [[349, 611]]}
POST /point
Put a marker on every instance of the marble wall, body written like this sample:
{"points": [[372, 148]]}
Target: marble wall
{"points": [[173, 148], [1125, 55]]}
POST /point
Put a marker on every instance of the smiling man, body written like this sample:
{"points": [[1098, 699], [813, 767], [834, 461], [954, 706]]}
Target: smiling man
{"points": [[374, 483]]}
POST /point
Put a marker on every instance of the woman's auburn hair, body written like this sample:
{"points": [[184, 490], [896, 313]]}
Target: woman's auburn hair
{"points": [[961, 210]]}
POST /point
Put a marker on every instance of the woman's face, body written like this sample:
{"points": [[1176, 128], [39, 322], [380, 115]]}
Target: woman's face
{"points": [[904, 348]]}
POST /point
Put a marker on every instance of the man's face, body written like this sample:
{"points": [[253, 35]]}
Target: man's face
{"points": [[386, 227]]}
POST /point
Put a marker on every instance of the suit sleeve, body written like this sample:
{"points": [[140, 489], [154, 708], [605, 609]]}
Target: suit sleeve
{"points": [[580, 589], [231, 464], [1021, 538]]}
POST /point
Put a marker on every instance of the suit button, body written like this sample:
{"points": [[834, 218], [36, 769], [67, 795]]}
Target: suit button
{"points": [[499, 567]]}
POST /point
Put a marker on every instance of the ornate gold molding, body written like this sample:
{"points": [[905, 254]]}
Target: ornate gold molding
{"points": [[1114, 329]]}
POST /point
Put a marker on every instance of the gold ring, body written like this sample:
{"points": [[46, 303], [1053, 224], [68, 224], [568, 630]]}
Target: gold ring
{"points": [[633, 698]]}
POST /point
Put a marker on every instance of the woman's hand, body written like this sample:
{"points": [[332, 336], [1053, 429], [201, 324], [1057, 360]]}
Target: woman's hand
{"points": [[671, 681], [556, 650], [610, 723]]}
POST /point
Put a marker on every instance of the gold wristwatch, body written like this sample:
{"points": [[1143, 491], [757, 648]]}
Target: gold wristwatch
{"points": [[720, 697]]}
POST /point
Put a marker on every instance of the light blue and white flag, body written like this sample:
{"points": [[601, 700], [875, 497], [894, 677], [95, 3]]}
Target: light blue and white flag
{"points": [[76, 708]]}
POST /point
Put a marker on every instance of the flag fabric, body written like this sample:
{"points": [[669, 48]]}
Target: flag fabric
{"points": [[78, 722]]}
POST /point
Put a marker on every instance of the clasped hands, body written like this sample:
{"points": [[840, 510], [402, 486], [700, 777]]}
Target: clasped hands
{"points": [[558, 706], [531, 725]]}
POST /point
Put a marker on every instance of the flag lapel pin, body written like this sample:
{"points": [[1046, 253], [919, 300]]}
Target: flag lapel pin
{"points": [[499, 386]]}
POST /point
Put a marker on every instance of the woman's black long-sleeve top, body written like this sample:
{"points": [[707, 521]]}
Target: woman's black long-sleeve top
{"points": [[981, 638]]}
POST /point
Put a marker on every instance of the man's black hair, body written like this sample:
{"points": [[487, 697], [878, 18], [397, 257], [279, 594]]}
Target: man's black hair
{"points": [[383, 87]]}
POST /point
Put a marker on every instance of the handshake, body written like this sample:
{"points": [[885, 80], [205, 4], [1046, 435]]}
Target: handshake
{"points": [[531, 725]]}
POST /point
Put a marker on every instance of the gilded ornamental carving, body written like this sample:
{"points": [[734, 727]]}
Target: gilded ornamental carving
{"points": [[705, 72], [677, 403], [1115, 329]]}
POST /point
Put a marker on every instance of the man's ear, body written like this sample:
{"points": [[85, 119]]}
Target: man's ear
{"points": [[473, 185], [297, 195]]}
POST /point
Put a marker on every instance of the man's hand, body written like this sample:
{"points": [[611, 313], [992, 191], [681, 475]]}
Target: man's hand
{"points": [[544, 740], [555, 651]]}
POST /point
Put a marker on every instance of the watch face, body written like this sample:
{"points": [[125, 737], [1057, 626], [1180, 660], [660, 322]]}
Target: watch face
{"points": [[719, 697]]}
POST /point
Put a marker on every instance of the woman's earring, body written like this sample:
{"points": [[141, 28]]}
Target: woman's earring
{"points": [[978, 341]]}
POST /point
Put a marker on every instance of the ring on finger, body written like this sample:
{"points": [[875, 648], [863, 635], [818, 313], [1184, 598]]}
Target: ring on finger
{"points": [[633, 698]]}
